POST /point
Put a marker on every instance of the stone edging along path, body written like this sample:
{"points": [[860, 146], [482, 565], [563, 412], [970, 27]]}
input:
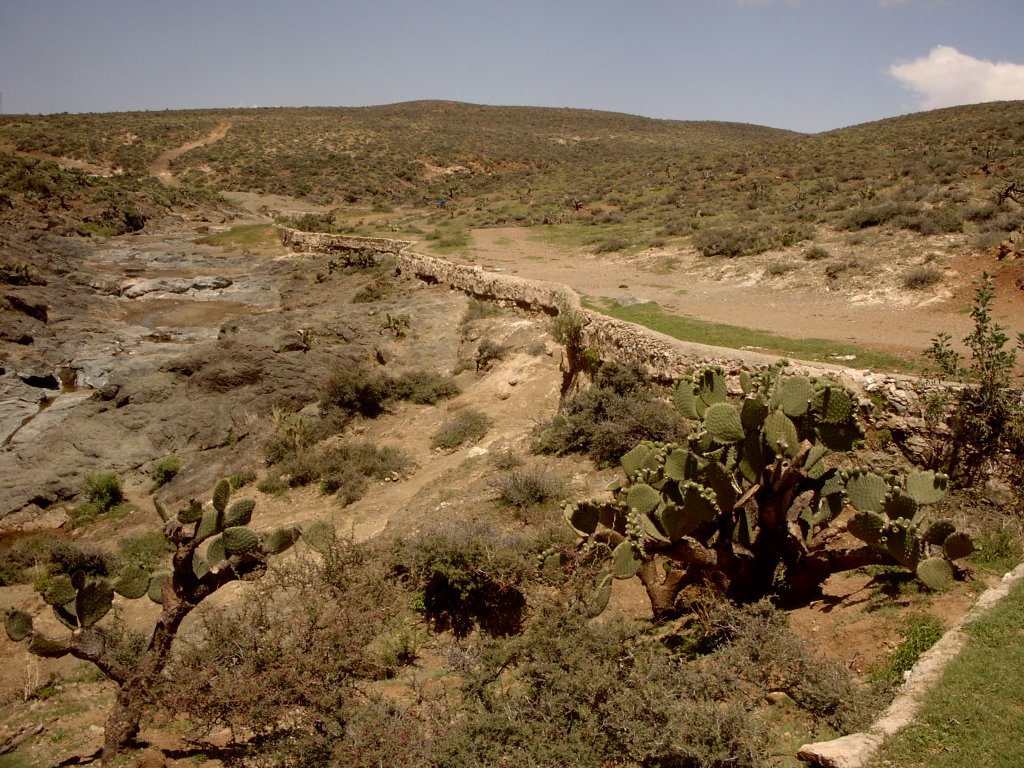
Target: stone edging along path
{"points": [[667, 359], [856, 749]]}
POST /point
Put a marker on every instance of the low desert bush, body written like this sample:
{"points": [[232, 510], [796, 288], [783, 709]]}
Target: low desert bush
{"points": [[816, 253], [165, 470], [367, 392], [607, 420], [527, 486], [147, 550], [465, 576], [918, 278], [467, 425]]}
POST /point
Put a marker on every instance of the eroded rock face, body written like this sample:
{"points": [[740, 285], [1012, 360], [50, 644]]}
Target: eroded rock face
{"points": [[135, 289]]}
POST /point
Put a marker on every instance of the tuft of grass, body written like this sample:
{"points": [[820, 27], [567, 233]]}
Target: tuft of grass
{"points": [[243, 236], [922, 632], [650, 315]]}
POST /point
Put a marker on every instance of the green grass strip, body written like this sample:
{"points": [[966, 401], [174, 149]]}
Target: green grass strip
{"points": [[975, 716], [245, 235], [650, 315]]}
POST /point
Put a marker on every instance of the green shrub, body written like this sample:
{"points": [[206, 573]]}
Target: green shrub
{"points": [[68, 557], [816, 253], [607, 420], [24, 554], [465, 426], [344, 469], [466, 576], [525, 487], [241, 479], [147, 550], [165, 470], [103, 491]]}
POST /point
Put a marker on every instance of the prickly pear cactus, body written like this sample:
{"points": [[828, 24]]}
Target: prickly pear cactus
{"points": [[754, 484], [891, 518]]}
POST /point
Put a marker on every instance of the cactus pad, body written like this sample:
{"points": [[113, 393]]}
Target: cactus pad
{"points": [[280, 539], [793, 395], [939, 531], [898, 504], [957, 545], [643, 499], [753, 412], [935, 573], [780, 434], [59, 591], [156, 586], [40, 645], [685, 401], [711, 387], [722, 422], [867, 491], [221, 494], [133, 582], [927, 487], [193, 513], [625, 561], [833, 404], [643, 456], [18, 625], [239, 513], [215, 551], [93, 601], [867, 526], [240, 540], [209, 525]]}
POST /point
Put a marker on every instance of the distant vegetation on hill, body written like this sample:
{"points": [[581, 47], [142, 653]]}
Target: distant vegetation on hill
{"points": [[627, 182]]}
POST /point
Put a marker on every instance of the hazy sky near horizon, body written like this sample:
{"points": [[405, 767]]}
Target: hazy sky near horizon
{"points": [[807, 65]]}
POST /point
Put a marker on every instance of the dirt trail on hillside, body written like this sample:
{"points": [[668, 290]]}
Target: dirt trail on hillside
{"points": [[873, 312], [161, 167]]}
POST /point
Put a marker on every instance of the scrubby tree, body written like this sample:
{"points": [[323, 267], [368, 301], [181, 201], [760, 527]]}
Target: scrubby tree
{"points": [[745, 504], [233, 552]]}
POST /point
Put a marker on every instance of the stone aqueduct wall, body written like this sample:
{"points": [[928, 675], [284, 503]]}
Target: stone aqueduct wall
{"points": [[664, 357], [320, 242]]}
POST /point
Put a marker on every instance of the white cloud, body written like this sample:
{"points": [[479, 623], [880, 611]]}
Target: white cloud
{"points": [[946, 77]]}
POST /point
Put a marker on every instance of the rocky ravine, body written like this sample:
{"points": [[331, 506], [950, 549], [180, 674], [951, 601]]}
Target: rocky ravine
{"points": [[153, 345]]}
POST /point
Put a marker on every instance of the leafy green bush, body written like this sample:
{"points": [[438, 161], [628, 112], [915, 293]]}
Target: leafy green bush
{"points": [[165, 470], [347, 466], [464, 426], [68, 557], [103, 491], [987, 423], [922, 632], [358, 390], [816, 253], [22, 555]]}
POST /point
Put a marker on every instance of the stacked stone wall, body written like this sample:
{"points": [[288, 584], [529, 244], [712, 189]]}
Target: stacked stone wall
{"points": [[664, 357]]}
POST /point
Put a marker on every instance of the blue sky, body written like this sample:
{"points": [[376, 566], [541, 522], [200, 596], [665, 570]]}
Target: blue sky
{"points": [[807, 65]]}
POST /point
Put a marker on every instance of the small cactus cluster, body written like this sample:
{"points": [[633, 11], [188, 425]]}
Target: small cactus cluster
{"points": [[890, 517], [80, 602], [753, 477]]}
